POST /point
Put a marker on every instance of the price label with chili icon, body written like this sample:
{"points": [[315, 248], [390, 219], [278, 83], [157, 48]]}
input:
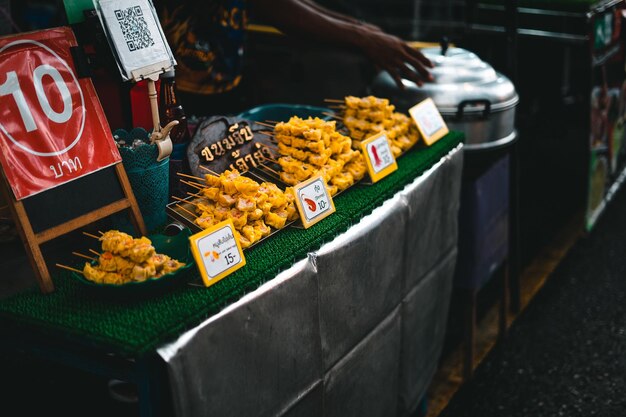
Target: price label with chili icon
{"points": [[313, 201], [217, 252], [378, 157]]}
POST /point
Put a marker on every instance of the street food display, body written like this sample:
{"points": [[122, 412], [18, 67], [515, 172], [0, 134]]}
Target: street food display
{"points": [[126, 259], [310, 146], [367, 116], [255, 208]]}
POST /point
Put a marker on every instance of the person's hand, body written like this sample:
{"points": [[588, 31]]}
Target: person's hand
{"points": [[392, 54]]}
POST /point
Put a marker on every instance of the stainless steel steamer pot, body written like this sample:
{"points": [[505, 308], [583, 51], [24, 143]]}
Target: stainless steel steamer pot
{"points": [[470, 95]]}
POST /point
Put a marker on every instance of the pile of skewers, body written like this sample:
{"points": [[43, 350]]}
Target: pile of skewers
{"points": [[254, 208], [311, 146], [367, 116], [124, 259]]}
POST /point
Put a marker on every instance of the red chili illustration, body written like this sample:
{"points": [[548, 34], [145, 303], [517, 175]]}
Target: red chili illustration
{"points": [[377, 160]]}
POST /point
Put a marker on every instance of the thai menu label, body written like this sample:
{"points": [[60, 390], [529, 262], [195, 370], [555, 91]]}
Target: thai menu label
{"points": [[52, 127], [313, 201], [429, 122], [378, 157], [217, 252]]}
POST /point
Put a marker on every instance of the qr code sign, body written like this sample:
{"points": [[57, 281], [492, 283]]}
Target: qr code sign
{"points": [[134, 28]]}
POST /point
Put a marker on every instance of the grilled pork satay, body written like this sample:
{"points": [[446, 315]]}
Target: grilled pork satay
{"points": [[245, 203], [114, 263], [275, 220], [142, 272], [141, 250], [261, 228], [102, 277], [171, 265], [115, 241]]}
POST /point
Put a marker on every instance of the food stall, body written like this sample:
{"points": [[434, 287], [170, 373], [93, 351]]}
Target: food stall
{"points": [[358, 295]]}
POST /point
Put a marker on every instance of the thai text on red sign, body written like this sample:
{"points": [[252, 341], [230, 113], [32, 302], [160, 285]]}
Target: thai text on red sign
{"points": [[52, 127]]}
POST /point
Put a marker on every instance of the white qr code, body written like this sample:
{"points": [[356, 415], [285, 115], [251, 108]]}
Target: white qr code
{"points": [[134, 28]]}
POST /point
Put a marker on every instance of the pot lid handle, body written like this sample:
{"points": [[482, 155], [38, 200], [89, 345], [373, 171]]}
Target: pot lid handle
{"points": [[445, 43], [474, 103]]}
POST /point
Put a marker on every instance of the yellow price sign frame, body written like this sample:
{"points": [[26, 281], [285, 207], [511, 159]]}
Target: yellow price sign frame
{"points": [[205, 250], [429, 121], [369, 149], [315, 199]]}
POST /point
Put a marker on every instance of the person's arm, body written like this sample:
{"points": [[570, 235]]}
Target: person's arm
{"points": [[388, 52], [337, 15]]}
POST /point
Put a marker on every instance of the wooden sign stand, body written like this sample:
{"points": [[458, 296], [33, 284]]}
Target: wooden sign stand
{"points": [[32, 240]]}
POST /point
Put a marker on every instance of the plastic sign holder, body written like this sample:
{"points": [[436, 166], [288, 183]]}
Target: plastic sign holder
{"points": [[141, 51], [313, 200], [378, 157], [217, 252], [429, 122], [52, 131]]}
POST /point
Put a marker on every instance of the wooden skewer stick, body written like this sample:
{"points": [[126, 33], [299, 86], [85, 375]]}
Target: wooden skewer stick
{"points": [[94, 252], [192, 184], [270, 146], [69, 268], [272, 121], [209, 170], [340, 106], [270, 169], [182, 200], [184, 209], [190, 176], [90, 235], [83, 256], [196, 195], [266, 133], [332, 115], [265, 124], [333, 100], [272, 160]]}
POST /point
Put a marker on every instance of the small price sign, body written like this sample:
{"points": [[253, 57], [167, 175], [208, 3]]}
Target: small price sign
{"points": [[217, 252], [429, 121], [313, 201], [378, 156]]}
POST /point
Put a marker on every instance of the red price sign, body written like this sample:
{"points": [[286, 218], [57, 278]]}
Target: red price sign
{"points": [[52, 127]]}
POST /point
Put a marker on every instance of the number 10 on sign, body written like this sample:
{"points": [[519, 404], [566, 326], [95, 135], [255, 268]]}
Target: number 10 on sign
{"points": [[52, 128]]}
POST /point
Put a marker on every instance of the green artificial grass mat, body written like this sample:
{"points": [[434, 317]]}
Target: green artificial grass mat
{"points": [[136, 324]]}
